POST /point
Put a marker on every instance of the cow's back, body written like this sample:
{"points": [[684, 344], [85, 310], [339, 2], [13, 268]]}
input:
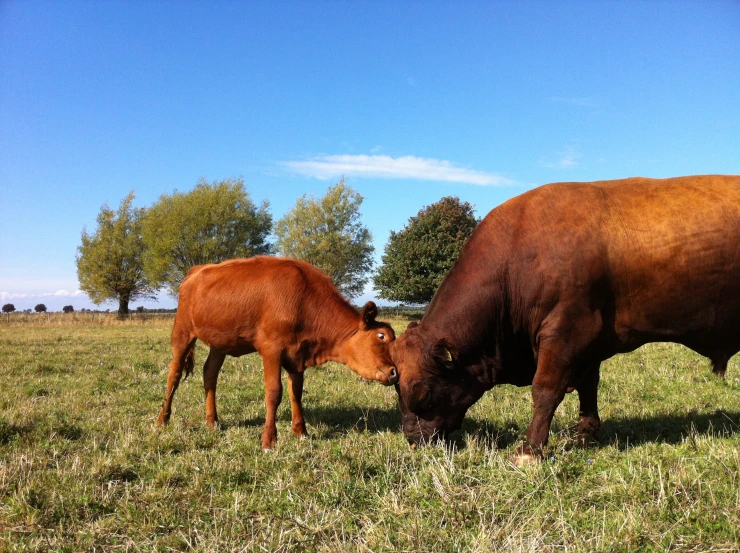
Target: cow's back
{"points": [[244, 302]]}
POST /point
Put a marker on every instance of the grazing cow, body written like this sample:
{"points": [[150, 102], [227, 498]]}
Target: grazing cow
{"points": [[560, 278], [286, 310]]}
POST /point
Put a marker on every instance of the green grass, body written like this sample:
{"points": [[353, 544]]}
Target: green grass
{"points": [[83, 468]]}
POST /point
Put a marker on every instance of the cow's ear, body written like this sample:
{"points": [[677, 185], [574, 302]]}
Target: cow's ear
{"points": [[412, 324], [367, 315]]}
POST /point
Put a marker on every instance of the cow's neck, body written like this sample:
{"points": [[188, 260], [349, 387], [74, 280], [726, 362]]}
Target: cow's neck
{"points": [[333, 336]]}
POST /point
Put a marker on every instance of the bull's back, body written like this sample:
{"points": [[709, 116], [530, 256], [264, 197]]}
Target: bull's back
{"points": [[674, 254], [660, 257]]}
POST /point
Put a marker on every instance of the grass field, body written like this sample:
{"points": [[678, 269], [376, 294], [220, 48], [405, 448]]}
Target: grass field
{"points": [[83, 468]]}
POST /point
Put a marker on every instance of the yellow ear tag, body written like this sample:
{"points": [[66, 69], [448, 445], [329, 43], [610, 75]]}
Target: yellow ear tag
{"points": [[448, 355]]}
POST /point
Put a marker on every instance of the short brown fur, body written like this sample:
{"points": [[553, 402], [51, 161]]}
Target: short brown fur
{"points": [[562, 277], [286, 310]]}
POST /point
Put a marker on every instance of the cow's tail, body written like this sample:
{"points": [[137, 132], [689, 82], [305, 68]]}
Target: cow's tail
{"points": [[190, 360]]}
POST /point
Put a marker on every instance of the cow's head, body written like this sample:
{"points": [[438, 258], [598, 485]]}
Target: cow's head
{"points": [[433, 393], [367, 350]]}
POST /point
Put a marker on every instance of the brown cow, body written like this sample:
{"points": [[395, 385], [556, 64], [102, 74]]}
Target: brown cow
{"points": [[556, 280], [286, 310]]}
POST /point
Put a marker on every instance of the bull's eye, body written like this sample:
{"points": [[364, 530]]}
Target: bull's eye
{"points": [[381, 335]]}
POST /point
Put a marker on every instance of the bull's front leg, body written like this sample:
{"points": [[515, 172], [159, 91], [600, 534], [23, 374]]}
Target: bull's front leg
{"points": [[548, 389], [273, 396]]}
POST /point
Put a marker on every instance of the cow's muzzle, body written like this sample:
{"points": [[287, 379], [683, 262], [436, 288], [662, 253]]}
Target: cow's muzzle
{"points": [[387, 376]]}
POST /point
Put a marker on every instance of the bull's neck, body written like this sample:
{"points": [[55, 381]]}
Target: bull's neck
{"points": [[469, 310]]}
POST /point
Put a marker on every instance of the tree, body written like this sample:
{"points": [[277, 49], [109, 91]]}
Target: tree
{"points": [[8, 308], [209, 224], [68, 309], [416, 258], [40, 308], [327, 232], [110, 263]]}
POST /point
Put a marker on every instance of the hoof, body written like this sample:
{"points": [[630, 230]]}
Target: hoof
{"points": [[527, 455], [525, 459], [163, 419], [268, 443]]}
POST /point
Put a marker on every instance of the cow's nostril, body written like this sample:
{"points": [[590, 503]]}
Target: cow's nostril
{"points": [[394, 372]]}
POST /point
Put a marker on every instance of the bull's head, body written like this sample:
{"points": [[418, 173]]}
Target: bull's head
{"points": [[433, 392]]}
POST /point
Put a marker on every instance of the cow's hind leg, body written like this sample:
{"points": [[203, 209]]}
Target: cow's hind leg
{"points": [[273, 396], [295, 387], [589, 422], [211, 369], [183, 359]]}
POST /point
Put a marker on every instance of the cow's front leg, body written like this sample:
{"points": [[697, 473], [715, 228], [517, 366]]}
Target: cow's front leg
{"points": [[295, 387], [273, 396], [589, 422]]}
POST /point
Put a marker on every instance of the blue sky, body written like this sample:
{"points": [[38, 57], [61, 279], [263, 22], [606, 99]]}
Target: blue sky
{"points": [[411, 101]]}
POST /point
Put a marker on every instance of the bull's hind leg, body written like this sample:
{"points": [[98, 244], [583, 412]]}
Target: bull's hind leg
{"points": [[211, 369], [589, 422], [719, 365], [295, 387], [273, 396], [182, 360]]}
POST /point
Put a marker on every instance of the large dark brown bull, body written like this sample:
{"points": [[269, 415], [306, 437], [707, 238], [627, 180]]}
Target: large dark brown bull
{"points": [[289, 312], [556, 280]]}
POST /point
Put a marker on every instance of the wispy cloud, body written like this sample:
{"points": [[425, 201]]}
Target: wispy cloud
{"points": [[405, 167], [5, 296], [565, 160]]}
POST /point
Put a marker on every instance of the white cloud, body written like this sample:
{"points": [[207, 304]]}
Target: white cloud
{"points": [[405, 167], [565, 160], [5, 296], [66, 294]]}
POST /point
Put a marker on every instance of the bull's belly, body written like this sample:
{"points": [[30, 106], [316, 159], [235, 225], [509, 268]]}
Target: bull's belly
{"points": [[704, 336]]}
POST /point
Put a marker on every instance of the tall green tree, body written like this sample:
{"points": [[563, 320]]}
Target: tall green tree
{"points": [[109, 261], [211, 223], [328, 233], [416, 258]]}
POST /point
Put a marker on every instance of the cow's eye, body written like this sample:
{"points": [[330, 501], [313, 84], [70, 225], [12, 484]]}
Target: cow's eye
{"points": [[381, 335]]}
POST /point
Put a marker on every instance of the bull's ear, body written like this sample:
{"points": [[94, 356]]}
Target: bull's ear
{"points": [[367, 315], [444, 352]]}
